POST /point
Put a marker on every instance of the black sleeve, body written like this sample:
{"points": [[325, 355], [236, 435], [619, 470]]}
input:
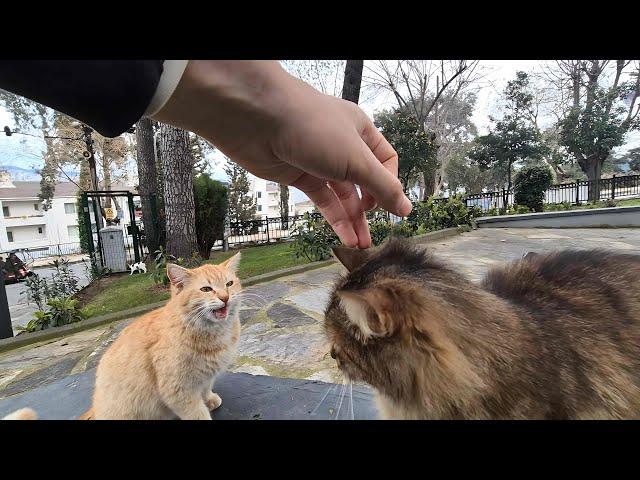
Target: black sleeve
{"points": [[108, 95]]}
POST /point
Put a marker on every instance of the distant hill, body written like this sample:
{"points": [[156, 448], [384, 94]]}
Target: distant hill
{"points": [[20, 174]]}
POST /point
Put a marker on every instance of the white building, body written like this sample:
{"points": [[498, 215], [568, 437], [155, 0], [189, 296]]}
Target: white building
{"points": [[25, 225], [301, 208], [267, 197]]}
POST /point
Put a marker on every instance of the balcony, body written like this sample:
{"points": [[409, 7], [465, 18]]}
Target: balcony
{"points": [[24, 220]]}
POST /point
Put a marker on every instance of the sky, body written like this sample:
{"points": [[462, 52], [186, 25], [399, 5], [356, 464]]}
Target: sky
{"points": [[23, 152]]}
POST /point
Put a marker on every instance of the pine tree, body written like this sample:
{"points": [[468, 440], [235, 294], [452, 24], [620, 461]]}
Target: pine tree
{"points": [[242, 205]]}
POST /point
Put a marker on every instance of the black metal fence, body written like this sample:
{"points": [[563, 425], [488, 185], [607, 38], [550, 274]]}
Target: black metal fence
{"points": [[264, 230], [31, 254], [575, 193]]}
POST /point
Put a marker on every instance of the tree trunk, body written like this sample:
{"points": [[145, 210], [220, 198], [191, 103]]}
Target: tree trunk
{"points": [[162, 225], [147, 181], [592, 167], [505, 194], [352, 80], [284, 206], [106, 170], [177, 163], [429, 184]]}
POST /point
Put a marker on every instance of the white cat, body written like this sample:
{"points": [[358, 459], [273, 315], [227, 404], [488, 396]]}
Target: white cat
{"points": [[140, 267]]}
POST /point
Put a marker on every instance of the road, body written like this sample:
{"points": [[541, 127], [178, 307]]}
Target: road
{"points": [[21, 310]]}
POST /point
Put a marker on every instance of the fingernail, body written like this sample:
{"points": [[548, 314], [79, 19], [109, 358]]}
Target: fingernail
{"points": [[405, 208]]}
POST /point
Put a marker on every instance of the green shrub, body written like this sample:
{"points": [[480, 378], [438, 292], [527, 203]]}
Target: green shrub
{"points": [[63, 283], [530, 185], [210, 197], [162, 258], [518, 209], [381, 230], [313, 239], [61, 311], [558, 207], [452, 212]]}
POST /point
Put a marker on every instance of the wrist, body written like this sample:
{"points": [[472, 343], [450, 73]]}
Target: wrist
{"points": [[222, 100]]}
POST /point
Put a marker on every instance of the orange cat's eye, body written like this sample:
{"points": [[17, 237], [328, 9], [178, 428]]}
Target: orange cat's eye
{"points": [[229, 283], [206, 289]]}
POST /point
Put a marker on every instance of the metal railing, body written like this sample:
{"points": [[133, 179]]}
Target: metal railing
{"points": [[575, 193], [30, 254], [265, 230]]}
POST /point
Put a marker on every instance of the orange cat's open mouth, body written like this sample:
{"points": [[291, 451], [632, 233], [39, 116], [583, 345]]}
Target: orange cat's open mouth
{"points": [[222, 313]]}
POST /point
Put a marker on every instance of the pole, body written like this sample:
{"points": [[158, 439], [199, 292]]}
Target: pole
{"points": [[134, 227], [613, 187], [6, 331], [92, 159]]}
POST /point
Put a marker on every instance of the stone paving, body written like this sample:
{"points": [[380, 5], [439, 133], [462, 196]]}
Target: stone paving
{"points": [[282, 331]]}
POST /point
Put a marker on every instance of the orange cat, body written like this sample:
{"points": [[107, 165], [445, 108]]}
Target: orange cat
{"points": [[164, 364]]}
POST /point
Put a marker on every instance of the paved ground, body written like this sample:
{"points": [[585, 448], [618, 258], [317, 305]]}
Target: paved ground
{"points": [[282, 331], [21, 310]]}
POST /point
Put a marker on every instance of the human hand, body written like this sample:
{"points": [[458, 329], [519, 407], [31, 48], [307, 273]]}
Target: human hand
{"points": [[281, 129]]}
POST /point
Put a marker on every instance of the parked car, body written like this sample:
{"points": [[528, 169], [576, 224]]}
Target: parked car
{"points": [[14, 269]]}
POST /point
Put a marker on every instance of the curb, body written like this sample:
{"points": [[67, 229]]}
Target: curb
{"points": [[437, 235], [12, 343], [266, 277]]}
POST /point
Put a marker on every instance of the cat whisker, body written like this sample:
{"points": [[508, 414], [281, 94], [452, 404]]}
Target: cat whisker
{"points": [[329, 389], [342, 392], [351, 398]]}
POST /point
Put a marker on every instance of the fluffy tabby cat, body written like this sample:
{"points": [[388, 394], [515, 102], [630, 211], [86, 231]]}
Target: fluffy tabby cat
{"points": [[553, 336], [164, 364]]}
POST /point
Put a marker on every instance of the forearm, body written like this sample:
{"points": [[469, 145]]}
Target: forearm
{"points": [[243, 99], [109, 95]]}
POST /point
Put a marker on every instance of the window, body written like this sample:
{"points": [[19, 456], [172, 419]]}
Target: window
{"points": [[36, 207], [40, 230], [69, 208], [5, 211], [73, 231], [10, 236], [259, 208], [259, 194]]}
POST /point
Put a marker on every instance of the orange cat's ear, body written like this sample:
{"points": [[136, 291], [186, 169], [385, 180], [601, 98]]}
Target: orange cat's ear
{"points": [[351, 258], [232, 263], [371, 310], [177, 274]]}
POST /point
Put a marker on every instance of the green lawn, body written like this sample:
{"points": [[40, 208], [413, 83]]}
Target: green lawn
{"points": [[634, 202], [127, 291], [261, 259]]}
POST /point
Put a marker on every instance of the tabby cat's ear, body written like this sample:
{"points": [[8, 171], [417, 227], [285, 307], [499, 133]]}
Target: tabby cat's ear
{"points": [[351, 258], [232, 263], [177, 274], [372, 310]]}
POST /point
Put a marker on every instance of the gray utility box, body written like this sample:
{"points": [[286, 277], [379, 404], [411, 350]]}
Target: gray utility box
{"points": [[114, 255]]}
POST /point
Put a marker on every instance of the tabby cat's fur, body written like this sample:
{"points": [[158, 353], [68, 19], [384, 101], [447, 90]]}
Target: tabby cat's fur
{"points": [[552, 336]]}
